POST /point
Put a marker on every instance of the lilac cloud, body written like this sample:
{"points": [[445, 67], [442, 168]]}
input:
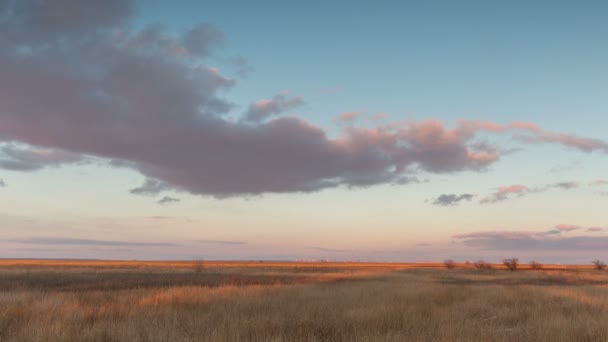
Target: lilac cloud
{"points": [[91, 84], [550, 240]]}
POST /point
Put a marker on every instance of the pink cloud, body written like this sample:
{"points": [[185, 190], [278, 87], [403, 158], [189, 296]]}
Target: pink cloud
{"points": [[503, 193], [348, 116], [567, 227]]}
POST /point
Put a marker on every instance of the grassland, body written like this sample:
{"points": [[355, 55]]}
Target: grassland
{"points": [[235, 301]]}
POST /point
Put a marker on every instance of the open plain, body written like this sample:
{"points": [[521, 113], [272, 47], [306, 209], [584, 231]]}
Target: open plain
{"points": [[46, 300]]}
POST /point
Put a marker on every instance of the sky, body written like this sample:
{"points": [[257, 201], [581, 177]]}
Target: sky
{"points": [[272, 130]]}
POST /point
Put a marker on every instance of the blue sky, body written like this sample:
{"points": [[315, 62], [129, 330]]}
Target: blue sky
{"points": [[290, 193]]}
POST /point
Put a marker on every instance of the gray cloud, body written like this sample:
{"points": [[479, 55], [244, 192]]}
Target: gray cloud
{"points": [[264, 108], [2, 183], [150, 187], [201, 39], [79, 77], [88, 242], [452, 199], [16, 157], [168, 200]]}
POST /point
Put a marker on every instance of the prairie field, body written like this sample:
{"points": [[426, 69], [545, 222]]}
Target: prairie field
{"points": [[285, 301]]}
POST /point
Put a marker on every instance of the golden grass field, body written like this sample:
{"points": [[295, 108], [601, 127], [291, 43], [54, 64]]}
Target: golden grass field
{"points": [[282, 301]]}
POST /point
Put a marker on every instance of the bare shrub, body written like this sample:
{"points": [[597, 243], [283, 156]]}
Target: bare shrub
{"points": [[599, 265], [535, 265], [482, 265], [511, 263], [198, 265], [449, 264]]}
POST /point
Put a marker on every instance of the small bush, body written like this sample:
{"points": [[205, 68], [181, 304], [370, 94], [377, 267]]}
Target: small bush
{"points": [[511, 263], [482, 265], [198, 265], [449, 264], [535, 265], [599, 265]]}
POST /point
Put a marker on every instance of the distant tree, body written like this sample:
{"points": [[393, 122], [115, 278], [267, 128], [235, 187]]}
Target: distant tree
{"points": [[482, 265], [449, 264], [535, 265], [511, 263], [599, 264]]}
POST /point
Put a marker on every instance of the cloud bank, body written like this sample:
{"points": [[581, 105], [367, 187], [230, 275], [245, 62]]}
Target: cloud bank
{"points": [[79, 80], [549, 240]]}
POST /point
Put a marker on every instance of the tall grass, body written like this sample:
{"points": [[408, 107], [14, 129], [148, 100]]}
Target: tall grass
{"points": [[288, 304]]}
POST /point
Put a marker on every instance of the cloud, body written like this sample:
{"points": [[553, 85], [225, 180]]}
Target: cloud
{"points": [[573, 165], [597, 229], [532, 133], [551, 240], [168, 200], [517, 190], [348, 117], [599, 182], [563, 185], [2, 183], [17, 157], [81, 79], [452, 199], [220, 242], [264, 108], [150, 187], [328, 250], [201, 39], [504, 192], [567, 227], [88, 242]]}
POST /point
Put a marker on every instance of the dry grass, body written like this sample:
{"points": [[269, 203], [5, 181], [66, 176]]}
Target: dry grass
{"points": [[129, 301]]}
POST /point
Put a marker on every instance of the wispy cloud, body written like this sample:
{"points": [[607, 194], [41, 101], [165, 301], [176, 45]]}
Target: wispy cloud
{"points": [[220, 242], [88, 242], [347, 117], [265, 108], [599, 182], [547, 240], [167, 200], [452, 199], [503, 193], [328, 250], [150, 187]]}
